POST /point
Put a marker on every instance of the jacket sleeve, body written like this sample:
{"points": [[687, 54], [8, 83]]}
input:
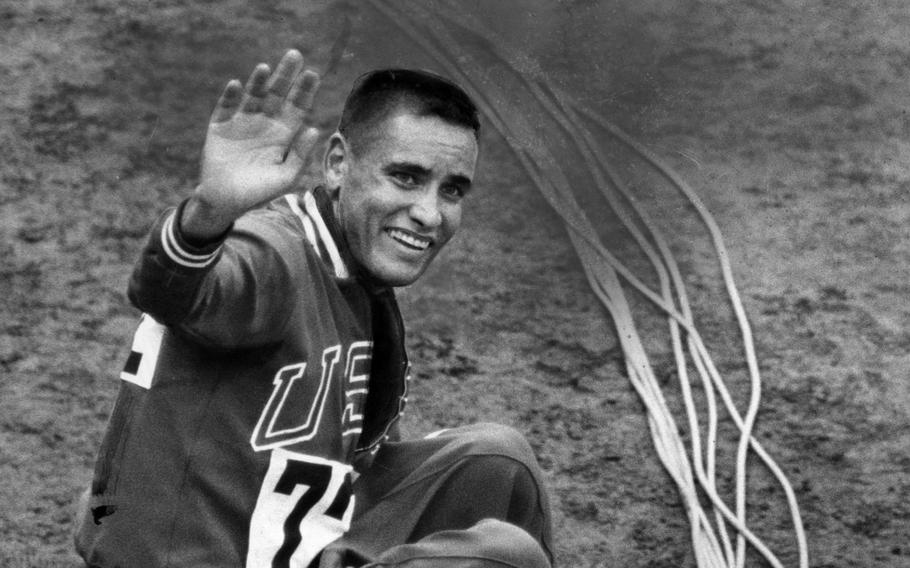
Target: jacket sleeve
{"points": [[231, 293]]}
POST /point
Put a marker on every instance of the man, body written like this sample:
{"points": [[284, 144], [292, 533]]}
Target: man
{"points": [[255, 425]]}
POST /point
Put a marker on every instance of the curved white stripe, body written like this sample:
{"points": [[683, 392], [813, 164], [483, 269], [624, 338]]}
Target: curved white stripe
{"points": [[176, 253], [341, 271], [308, 228], [172, 234]]}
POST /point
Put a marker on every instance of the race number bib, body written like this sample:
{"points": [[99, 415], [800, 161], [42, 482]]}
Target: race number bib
{"points": [[304, 504]]}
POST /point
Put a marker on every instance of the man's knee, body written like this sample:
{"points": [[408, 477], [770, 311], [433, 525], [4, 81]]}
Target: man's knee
{"points": [[500, 487], [496, 464], [491, 486], [487, 438]]}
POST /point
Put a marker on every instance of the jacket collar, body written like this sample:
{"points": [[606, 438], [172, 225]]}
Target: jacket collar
{"points": [[324, 233]]}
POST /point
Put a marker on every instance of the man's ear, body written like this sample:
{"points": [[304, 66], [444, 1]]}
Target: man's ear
{"points": [[335, 163]]}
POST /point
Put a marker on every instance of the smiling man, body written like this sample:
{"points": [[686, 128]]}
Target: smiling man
{"points": [[399, 167], [256, 423]]}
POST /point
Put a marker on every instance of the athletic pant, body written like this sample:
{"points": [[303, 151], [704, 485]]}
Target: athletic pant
{"points": [[469, 497]]}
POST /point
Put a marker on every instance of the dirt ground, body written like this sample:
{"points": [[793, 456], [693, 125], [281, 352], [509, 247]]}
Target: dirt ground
{"points": [[788, 117]]}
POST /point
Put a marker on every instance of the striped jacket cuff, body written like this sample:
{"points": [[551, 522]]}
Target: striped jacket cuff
{"points": [[181, 252]]}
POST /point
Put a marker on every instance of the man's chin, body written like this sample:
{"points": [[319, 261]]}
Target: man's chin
{"points": [[396, 274]]}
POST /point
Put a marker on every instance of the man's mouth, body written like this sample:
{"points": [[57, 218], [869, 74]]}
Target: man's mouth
{"points": [[409, 239]]}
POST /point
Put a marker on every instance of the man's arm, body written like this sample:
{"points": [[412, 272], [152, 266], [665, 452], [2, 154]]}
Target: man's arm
{"points": [[255, 149]]}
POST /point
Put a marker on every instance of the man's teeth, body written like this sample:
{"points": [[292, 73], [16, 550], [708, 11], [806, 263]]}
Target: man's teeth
{"points": [[408, 239]]}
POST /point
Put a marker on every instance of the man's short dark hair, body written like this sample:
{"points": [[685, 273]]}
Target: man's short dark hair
{"points": [[424, 93]]}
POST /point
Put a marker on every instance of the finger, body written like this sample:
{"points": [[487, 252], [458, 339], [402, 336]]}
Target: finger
{"points": [[229, 101], [254, 91], [301, 156], [304, 90], [301, 98], [281, 81], [304, 142]]}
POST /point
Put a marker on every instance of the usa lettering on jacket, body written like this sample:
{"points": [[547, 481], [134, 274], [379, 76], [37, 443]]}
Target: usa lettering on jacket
{"points": [[282, 425]]}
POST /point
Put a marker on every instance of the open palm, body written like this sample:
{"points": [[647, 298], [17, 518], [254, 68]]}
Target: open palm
{"points": [[256, 144]]}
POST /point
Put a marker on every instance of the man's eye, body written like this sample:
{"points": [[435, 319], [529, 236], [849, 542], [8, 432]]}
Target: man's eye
{"points": [[404, 178], [452, 191]]}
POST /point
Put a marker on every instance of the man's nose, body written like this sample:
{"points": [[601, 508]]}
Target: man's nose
{"points": [[425, 209]]}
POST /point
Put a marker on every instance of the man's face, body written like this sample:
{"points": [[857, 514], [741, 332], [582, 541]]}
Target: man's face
{"points": [[401, 192]]}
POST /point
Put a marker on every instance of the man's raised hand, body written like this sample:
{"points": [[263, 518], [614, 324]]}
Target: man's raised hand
{"points": [[255, 147]]}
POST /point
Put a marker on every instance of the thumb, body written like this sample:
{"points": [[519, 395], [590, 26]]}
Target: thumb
{"points": [[304, 142]]}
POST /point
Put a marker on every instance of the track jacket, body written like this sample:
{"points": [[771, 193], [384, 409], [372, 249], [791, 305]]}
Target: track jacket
{"points": [[260, 369]]}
